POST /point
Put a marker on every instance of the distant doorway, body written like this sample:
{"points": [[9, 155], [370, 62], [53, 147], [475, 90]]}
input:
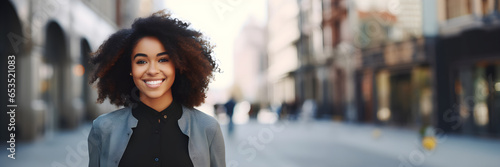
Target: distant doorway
{"points": [[400, 96], [55, 65]]}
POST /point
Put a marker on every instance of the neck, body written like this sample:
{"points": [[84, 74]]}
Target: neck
{"points": [[158, 104]]}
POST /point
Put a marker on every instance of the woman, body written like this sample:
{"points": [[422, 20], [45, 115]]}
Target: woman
{"points": [[159, 69]]}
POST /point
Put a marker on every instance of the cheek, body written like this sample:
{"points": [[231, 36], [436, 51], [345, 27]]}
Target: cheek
{"points": [[170, 70], [137, 74], [137, 71]]}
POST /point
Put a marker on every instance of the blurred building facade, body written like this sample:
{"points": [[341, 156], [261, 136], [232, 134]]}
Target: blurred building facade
{"points": [[466, 65], [408, 63], [393, 75], [427, 63], [52, 41], [250, 63], [339, 64], [312, 80], [282, 52]]}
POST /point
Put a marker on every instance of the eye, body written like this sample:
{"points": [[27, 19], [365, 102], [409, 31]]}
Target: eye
{"points": [[140, 62], [163, 60]]}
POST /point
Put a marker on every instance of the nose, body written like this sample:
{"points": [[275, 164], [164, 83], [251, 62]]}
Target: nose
{"points": [[153, 69]]}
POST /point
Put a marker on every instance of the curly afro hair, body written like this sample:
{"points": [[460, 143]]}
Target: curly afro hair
{"points": [[190, 52]]}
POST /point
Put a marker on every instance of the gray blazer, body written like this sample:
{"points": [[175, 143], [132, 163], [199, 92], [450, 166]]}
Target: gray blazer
{"points": [[111, 132]]}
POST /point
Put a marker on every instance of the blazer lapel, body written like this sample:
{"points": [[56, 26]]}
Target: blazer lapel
{"points": [[127, 121]]}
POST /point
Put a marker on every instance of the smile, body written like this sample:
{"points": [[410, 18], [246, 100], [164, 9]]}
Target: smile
{"points": [[154, 83]]}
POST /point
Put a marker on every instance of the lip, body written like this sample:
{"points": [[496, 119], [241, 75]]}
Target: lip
{"points": [[153, 83]]}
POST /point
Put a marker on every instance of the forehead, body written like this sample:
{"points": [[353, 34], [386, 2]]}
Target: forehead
{"points": [[148, 44]]}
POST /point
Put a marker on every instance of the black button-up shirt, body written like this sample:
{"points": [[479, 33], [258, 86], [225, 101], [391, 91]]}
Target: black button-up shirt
{"points": [[157, 140]]}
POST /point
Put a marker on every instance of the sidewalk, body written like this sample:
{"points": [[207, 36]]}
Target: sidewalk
{"points": [[326, 143], [292, 144], [62, 149], [452, 150]]}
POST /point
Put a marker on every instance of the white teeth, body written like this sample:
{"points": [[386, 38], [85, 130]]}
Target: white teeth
{"points": [[154, 82]]}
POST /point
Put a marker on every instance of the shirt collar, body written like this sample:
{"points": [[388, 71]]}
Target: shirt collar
{"points": [[173, 111]]}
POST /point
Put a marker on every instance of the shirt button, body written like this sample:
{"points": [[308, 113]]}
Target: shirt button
{"points": [[165, 116], [156, 159]]}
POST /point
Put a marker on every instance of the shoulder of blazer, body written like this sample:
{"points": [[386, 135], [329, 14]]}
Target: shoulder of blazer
{"points": [[108, 120], [194, 117], [200, 117]]}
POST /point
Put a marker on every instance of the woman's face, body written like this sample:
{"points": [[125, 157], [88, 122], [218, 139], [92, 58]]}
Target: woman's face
{"points": [[152, 69]]}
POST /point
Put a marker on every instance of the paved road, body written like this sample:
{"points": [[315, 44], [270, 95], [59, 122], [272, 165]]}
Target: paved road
{"points": [[62, 149], [329, 144], [297, 145], [294, 144]]}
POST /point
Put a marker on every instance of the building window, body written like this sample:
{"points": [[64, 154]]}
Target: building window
{"points": [[497, 3], [487, 6], [457, 8], [336, 33]]}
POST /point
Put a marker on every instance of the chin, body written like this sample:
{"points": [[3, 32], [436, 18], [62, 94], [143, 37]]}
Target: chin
{"points": [[153, 95]]}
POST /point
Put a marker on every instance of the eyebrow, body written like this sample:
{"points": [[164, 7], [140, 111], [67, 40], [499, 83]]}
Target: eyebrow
{"points": [[144, 55]]}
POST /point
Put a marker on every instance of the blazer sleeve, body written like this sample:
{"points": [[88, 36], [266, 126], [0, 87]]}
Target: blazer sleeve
{"points": [[217, 149], [94, 146]]}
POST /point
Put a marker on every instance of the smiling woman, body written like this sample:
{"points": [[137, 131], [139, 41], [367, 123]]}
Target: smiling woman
{"points": [[153, 73], [158, 70]]}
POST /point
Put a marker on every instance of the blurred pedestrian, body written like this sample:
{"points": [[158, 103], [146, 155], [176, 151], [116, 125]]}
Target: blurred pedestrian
{"points": [[230, 112], [308, 110], [284, 110], [294, 111], [158, 69]]}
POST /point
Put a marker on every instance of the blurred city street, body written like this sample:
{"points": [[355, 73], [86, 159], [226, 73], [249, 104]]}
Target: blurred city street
{"points": [[401, 83], [295, 144], [326, 143], [61, 149]]}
